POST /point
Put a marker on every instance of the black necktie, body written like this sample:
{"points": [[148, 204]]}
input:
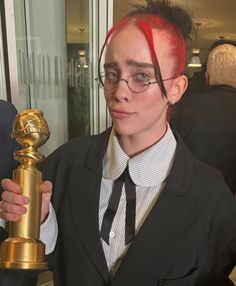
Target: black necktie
{"points": [[113, 206]]}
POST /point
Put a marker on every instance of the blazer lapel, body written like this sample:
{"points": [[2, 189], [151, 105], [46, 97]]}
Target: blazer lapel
{"points": [[149, 245], [85, 181], [162, 228]]}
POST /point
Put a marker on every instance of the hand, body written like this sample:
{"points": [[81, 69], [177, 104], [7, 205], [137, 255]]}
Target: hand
{"points": [[12, 204]]}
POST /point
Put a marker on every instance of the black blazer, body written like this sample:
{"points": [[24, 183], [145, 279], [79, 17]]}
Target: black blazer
{"points": [[189, 237], [207, 124]]}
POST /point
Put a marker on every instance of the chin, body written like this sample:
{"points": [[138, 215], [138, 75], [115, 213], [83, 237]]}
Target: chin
{"points": [[123, 129]]}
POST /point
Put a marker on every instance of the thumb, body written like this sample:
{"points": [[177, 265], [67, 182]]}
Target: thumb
{"points": [[46, 189]]}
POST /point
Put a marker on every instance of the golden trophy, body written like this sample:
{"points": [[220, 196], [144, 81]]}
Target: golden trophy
{"points": [[23, 249]]}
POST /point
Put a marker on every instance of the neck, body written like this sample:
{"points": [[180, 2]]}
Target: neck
{"points": [[136, 144]]}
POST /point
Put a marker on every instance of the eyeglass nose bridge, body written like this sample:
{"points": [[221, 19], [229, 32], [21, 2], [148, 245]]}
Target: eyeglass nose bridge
{"points": [[116, 85], [122, 79]]}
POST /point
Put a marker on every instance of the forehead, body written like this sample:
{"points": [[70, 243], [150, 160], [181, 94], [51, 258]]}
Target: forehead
{"points": [[130, 43]]}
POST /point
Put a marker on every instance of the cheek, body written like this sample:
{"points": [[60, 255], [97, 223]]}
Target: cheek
{"points": [[153, 102], [151, 110]]}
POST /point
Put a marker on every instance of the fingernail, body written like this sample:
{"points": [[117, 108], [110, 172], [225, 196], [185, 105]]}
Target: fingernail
{"points": [[26, 201]]}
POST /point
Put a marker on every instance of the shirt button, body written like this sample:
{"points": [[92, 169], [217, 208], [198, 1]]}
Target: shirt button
{"points": [[112, 234]]}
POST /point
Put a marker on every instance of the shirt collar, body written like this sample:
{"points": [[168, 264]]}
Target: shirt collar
{"points": [[149, 168]]}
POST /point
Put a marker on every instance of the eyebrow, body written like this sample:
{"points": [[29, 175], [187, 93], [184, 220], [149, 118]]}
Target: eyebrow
{"points": [[139, 64], [131, 63], [111, 65]]}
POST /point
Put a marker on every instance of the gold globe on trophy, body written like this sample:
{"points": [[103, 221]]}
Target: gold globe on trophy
{"points": [[23, 249]]}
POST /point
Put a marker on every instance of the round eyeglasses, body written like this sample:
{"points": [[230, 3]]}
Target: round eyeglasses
{"points": [[136, 82]]}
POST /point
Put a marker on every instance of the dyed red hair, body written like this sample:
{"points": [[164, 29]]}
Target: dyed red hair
{"points": [[146, 23]]}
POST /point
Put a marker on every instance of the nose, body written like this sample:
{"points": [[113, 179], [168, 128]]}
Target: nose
{"points": [[122, 91]]}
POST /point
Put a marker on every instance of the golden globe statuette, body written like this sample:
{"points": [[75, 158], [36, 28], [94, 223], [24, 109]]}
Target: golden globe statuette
{"points": [[23, 249]]}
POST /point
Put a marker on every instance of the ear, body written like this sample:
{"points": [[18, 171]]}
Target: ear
{"points": [[178, 88]]}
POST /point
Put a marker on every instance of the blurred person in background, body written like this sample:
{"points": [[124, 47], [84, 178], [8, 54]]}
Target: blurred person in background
{"points": [[198, 82], [207, 121]]}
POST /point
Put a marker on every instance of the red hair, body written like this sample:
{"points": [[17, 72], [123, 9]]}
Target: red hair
{"points": [[146, 23], [176, 41]]}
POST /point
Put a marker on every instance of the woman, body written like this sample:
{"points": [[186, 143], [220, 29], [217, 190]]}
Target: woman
{"points": [[133, 207]]}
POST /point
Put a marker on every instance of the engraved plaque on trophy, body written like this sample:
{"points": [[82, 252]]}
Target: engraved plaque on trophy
{"points": [[23, 249]]}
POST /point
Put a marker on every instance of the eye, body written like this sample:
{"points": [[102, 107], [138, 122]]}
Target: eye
{"points": [[141, 77], [111, 76]]}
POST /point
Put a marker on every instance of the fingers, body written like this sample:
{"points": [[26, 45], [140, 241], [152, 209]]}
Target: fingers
{"points": [[10, 197], [12, 204], [46, 188], [11, 212], [8, 184], [12, 193]]}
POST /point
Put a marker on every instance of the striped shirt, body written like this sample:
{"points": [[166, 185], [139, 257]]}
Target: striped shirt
{"points": [[148, 171]]}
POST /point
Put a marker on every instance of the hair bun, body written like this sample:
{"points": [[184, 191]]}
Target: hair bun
{"points": [[172, 14], [182, 20]]}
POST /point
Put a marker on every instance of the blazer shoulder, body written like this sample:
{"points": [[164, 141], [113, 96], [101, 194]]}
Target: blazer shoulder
{"points": [[83, 143], [78, 148]]}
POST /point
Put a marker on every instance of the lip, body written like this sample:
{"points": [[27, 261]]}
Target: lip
{"points": [[120, 114]]}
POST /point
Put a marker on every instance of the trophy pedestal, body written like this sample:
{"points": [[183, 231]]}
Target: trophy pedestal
{"points": [[22, 253]]}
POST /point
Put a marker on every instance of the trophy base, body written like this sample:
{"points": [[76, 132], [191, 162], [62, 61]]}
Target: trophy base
{"points": [[22, 253]]}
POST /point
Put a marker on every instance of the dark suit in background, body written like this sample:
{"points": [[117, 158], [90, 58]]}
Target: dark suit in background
{"points": [[197, 83], [207, 120], [207, 124], [7, 144]]}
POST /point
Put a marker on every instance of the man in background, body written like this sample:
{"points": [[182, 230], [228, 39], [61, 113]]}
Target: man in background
{"points": [[207, 121], [198, 82]]}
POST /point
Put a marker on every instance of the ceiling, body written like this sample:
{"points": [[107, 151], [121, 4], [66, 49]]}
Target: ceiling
{"points": [[217, 18]]}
